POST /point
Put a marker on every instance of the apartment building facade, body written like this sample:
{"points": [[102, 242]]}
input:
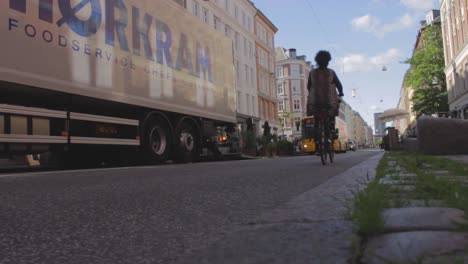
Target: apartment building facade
{"points": [[346, 112], [265, 32], [454, 18], [292, 72], [359, 129], [235, 19]]}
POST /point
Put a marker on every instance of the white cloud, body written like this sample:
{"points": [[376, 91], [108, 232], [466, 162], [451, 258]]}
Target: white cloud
{"points": [[361, 62], [372, 24], [421, 5], [367, 23]]}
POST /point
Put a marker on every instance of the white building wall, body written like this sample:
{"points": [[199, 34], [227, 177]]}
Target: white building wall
{"points": [[456, 55], [235, 18]]}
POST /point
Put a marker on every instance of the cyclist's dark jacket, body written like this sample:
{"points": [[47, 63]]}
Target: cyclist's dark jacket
{"points": [[322, 86]]}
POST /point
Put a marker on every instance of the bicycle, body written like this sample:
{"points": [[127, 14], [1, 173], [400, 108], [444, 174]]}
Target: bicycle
{"points": [[325, 138]]}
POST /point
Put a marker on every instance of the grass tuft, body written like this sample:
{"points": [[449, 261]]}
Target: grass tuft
{"points": [[367, 207]]}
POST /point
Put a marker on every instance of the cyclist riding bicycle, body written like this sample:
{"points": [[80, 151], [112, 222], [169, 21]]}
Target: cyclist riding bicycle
{"points": [[322, 85]]}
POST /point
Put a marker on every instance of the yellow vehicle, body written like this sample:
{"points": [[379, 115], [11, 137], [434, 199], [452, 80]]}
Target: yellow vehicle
{"points": [[340, 144], [307, 126]]}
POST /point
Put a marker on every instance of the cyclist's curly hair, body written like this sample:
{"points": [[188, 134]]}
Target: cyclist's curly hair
{"points": [[323, 57]]}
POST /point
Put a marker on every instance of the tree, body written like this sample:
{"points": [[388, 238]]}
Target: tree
{"points": [[426, 74], [283, 118]]}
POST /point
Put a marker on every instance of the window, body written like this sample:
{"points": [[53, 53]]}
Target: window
{"points": [[249, 24], [246, 73], [280, 88], [297, 120], [216, 22], [196, 8], [281, 105], [236, 11], [206, 17], [297, 104], [270, 42], [260, 112], [296, 86], [245, 46], [182, 3], [253, 105], [226, 2], [252, 75], [272, 63], [227, 31], [238, 70], [248, 103], [243, 19], [294, 70], [465, 85], [251, 49], [239, 100], [279, 71], [262, 58]]}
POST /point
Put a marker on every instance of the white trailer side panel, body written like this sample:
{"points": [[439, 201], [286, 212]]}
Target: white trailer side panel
{"points": [[150, 53]]}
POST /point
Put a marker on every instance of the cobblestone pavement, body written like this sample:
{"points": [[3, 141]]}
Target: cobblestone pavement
{"points": [[159, 214], [418, 231]]}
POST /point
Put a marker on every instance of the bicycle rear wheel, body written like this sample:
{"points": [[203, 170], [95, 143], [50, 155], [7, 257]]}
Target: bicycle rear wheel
{"points": [[323, 151], [321, 142], [331, 153]]}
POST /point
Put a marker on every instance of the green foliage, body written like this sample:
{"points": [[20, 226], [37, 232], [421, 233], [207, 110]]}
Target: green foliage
{"points": [[249, 139], [429, 101], [285, 147], [426, 75], [274, 138], [367, 207], [271, 149], [284, 116], [450, 190]]}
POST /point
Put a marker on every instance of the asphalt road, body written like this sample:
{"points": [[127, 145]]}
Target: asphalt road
{"points": [[146, 214]]}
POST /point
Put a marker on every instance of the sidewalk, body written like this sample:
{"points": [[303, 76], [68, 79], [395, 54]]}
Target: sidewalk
{"points": [[425, 219], [462, 158], [308, 229]]}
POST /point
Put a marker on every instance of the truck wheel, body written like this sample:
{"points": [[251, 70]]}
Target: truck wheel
{"points": [[156, 140], [188, 143]]}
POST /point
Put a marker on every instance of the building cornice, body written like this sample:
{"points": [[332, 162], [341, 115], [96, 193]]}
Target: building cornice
{"points": [[265, 19]]}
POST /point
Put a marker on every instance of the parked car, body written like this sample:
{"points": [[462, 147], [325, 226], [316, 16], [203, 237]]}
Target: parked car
{"points": [[351, 146]]}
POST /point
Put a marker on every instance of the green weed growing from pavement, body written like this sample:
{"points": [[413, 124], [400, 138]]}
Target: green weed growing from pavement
{"points": [[382, 168], [431, 187], [367, 206]]}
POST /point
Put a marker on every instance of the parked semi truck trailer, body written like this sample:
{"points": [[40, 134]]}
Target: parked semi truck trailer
{"points": [[124, 78]]}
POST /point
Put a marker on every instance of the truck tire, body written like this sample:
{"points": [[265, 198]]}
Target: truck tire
{"points": [[157, 140], [187, 143]]}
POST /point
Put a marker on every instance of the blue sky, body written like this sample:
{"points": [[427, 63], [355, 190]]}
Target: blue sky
{"points": [[362, 35]]}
